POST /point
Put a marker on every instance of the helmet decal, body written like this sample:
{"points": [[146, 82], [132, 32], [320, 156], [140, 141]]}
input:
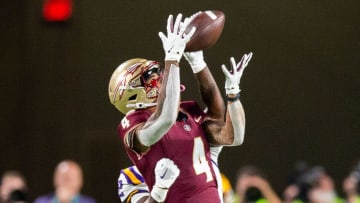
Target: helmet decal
{"points": [[132, 68]]}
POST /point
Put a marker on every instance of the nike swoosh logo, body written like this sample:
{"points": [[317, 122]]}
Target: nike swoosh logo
{"points": [[197, 119], [164, 173]]}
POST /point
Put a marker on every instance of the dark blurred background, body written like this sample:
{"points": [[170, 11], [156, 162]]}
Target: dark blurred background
{"points": [[301, 91]]}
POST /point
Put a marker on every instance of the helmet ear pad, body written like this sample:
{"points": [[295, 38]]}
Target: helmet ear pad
{"points": [[136, 100]]}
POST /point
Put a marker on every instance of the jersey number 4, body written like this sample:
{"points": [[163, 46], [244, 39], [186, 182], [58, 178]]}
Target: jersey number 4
{"points": [[200, 163]]}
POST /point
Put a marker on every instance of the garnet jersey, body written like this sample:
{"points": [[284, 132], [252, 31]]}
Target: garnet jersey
{"points": [[132, 186], [185, 143]]}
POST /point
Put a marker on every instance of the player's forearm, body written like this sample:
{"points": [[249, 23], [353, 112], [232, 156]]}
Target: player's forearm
{"points": [[166, 112], [210, 94], [170, 87], [235, 122]]}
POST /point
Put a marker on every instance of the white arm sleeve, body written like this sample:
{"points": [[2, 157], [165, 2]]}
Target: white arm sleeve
{"points": [[236, 113], [153, 130]]}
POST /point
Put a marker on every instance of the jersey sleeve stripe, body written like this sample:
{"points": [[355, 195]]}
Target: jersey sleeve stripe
{"points": [[128, 199], [132, 176], [137, 174], [135, 193]]}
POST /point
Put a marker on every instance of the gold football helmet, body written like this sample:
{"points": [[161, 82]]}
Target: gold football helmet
{"points": [[127, 88]]}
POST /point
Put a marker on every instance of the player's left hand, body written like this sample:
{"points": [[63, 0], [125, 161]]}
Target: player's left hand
{"points": [[233, 77]]}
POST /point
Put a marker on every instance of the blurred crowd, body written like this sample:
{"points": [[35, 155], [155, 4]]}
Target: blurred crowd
{"points": [[305, 183], [67, 180]]}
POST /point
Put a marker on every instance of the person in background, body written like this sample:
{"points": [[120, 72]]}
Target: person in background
{"points": [[296, 189], [252, 186], [351, 185], [13, 187], [227, 190], [68, 181], [321, 186]]}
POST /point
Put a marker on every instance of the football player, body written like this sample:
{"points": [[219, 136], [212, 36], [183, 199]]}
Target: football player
{"points": [[158, 125]]}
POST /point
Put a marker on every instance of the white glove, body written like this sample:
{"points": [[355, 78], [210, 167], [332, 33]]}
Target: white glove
{"points": [[196, 60], [232, 81], [166, 173], [174, 44]]}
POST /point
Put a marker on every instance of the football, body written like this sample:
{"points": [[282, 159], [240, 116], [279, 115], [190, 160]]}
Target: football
{"points": [[209, 26]]}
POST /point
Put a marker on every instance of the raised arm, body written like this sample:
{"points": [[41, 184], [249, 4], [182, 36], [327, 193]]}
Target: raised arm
{"points": [[209, 90], [165, 113], [221, 128], [235, 116]]}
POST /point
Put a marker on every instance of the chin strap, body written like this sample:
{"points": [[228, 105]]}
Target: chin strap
{"points": [[141, 105]]}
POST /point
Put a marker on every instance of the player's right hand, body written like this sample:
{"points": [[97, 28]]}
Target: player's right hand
{"points": [[166, 173], [175, 42]]}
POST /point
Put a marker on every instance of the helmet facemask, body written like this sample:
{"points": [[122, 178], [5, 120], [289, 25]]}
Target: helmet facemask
{"points": [[151, 79]]}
